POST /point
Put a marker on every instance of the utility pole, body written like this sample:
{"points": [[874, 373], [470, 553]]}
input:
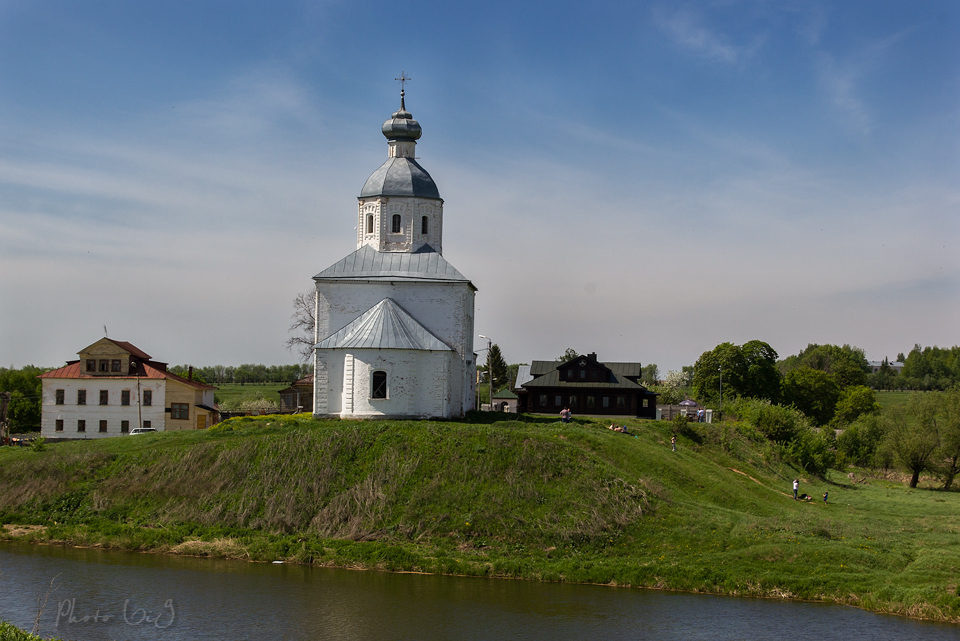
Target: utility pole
{"points": [[136, 369], [489, 369]]}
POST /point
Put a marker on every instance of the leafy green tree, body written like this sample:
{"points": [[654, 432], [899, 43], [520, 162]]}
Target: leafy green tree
{"points": [[847, 364], [885, 378], [650, 374], [749, 371], [915, 442], [947, 463], [855, 401], [931, 368], [813, 392], [568, 355], [23, 413]]}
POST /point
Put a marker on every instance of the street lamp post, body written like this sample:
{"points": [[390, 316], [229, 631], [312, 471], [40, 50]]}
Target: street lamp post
{"points": [[489, 369], [721, 392]]}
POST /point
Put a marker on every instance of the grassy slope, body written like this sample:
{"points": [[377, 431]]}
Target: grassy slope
{"points": [[533, 499]]}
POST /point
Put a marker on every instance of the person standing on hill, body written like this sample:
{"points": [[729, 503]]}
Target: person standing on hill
{"points": [[673, 442], [565, 415], [796, 486]]}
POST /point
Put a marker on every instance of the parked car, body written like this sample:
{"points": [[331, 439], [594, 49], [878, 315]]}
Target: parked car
{"points": [[142, 430]]}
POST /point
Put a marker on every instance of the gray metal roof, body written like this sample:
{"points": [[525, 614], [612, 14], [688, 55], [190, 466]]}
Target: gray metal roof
{"points": [[400, 177], [539, 368], [386, 325], [367, 263], [523, 375]]}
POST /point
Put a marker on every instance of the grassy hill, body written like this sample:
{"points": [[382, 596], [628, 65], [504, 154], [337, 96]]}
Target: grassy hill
{"points": [[528, 498]]}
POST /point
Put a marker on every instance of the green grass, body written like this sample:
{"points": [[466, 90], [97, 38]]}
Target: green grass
{"points": [[528, 498], [230, 392], [889, 399]]}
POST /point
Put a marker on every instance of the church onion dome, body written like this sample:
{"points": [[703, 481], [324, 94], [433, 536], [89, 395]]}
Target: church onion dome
{"points": [[401, 125], [400, 177]]}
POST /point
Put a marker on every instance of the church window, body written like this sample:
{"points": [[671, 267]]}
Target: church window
{"points": [[396, 224], [379, 387], [369, 223], [424, 225]]}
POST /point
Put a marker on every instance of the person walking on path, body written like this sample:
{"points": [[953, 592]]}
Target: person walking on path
{"points": [[673, 443], [796, 486]]}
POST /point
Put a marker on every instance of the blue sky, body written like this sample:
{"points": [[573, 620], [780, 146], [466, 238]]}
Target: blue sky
{"points": [[643, 180]]}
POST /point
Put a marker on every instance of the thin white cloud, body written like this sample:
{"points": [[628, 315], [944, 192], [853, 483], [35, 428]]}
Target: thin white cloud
{"points": [[842, 78], [687, 29]]}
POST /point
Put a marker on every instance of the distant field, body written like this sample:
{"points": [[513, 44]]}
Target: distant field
{"points": [[229, 392], [888, 399]]}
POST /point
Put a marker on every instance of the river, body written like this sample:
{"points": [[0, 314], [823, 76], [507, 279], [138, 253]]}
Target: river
{"points": [[125, 596]]}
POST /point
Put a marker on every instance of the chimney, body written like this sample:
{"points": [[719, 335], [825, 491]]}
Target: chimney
{"points": [[592, 355], [190, 373]]}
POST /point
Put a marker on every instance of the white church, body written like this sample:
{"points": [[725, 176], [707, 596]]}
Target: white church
{"points": [[394, 319]]}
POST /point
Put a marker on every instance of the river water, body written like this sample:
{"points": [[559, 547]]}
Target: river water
{"points": [[124, 596]]}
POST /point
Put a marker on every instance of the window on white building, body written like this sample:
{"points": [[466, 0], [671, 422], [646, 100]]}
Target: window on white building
{"points": [[396, 224], [378, 388]]}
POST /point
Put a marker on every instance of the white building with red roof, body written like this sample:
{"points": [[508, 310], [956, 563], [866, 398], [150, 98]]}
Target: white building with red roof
{"points": [[115, 387]]}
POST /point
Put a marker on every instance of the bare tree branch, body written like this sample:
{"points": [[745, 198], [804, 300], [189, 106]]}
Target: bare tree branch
{"points": [[302, 327]]}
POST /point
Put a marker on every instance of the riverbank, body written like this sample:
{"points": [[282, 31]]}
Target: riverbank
{"points": [[521, 499]]}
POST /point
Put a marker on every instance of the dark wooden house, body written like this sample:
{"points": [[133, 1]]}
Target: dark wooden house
{"points": [[298, 397], [586, 386]]}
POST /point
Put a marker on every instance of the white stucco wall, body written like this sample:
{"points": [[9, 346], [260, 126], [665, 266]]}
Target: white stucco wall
{"points": [[93, 412], [418, 383], [446, 309]]}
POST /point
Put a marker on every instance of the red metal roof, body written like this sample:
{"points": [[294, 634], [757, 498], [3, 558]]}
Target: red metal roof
{"points": [[145, 369]]}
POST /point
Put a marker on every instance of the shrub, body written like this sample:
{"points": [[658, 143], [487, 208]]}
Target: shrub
{"points": [[812, 452], [860, 442], [775, 422]]}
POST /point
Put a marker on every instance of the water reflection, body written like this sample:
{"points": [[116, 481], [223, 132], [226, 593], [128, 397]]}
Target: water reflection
{"points": [[176, 598]]}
